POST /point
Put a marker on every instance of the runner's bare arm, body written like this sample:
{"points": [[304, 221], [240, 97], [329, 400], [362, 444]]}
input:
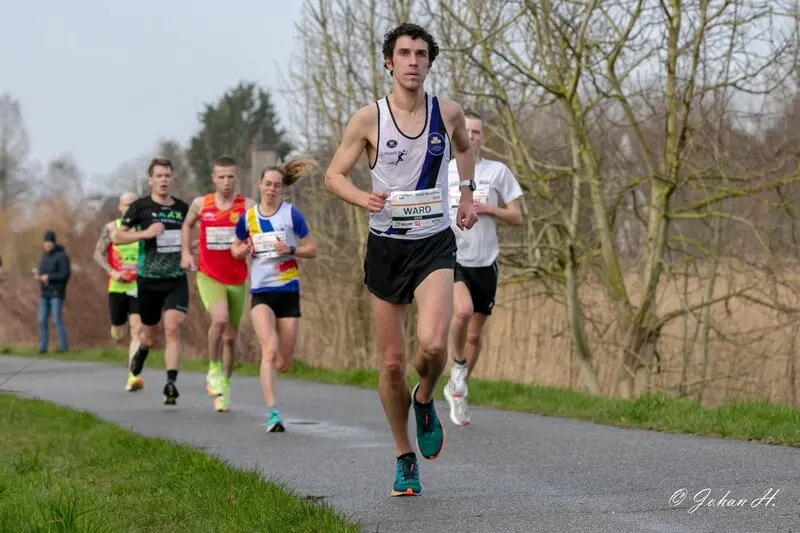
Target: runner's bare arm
{"points": [[307, 249], [125, 235], [354, 143], [101, 249], [240, 249], [510, 214], [508, 191], [462, 147], [241, 240], [191, 219]]}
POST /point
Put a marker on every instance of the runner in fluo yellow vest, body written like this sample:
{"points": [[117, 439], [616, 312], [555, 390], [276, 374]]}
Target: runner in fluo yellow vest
{"points": [[120, 261]]}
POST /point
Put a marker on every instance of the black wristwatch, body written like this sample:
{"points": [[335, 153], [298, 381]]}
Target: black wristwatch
{"points": [[292, 250], [467, 183]]}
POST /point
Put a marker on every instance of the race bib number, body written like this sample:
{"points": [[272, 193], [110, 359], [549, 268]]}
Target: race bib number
{"points": [[481, 194], [220, 238], [416, 209], [169, 242], [454, 196], [264, 244]]}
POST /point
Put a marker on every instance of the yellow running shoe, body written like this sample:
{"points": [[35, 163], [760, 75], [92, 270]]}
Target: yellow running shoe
{"points": [[214, 379], [134, 383], [222, 403]]}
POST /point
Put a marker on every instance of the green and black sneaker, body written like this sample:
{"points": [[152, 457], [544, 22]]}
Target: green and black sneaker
{"points": [[430, 432], [406, 480]]}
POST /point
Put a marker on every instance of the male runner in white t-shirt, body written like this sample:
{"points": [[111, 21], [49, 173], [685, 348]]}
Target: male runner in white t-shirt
{"points": [[476, 267]]}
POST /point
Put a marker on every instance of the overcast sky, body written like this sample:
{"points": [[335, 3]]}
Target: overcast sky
{"points": [[105, 80]]}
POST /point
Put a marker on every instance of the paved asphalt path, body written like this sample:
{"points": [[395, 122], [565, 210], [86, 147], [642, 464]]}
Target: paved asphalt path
{"points": [[507, 472]]}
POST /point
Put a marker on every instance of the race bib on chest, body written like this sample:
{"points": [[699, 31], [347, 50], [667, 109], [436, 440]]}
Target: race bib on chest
{"points": [[454, 196], [169, 242], [481, 194], [264, 243], [416, 209], [220, 238]]}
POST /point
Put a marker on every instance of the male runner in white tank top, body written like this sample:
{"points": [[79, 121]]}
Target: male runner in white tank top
{"points": [[411, 249], [476, 265]]}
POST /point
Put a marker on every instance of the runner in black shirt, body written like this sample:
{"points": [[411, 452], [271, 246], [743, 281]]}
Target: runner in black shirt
{"points": [[155, 222]]}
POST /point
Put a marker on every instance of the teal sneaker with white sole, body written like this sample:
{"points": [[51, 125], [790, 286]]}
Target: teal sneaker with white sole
{"points": [[430, 431], [406, 480]]}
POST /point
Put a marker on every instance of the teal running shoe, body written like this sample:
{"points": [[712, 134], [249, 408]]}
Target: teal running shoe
{"points": [[430, 432], [274, 422], [406, 480]]}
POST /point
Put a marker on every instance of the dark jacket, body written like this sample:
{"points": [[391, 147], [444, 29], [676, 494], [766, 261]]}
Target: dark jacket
{"points": [[57, 267]]}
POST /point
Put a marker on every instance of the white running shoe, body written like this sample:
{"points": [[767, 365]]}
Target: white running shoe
{"points": [[458, 380], [455, 392], [459, 412]]}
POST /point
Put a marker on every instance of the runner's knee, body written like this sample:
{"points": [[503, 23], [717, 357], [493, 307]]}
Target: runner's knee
{"points": [[229, 335], [269, 354], [474, 337], [219, 323], [392, 366], [462, 312], [172, 331], [432, 347]]}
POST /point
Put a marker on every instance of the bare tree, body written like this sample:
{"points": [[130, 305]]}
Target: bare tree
{"points": [[14, 147], [64, 180], [520, 58], [130, 175]]}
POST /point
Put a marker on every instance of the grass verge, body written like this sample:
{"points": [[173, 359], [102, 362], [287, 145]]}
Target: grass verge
{"points": [[66, 471], [752, 420]]}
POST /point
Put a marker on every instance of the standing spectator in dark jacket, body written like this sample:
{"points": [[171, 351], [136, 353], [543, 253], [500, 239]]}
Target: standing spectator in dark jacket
{"points": [[53, 274]]}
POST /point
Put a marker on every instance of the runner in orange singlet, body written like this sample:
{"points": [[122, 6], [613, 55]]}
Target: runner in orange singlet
{"points": [[220, 278]]}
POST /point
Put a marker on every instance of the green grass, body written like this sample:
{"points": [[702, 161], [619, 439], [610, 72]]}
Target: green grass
{"points": [[753, 420], [65, 471]]}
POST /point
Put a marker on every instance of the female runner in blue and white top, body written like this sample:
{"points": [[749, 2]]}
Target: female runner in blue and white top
{"points": [[275, 233]]}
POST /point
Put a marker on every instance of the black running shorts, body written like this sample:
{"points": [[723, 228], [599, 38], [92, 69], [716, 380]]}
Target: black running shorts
{"points": [[157, 295], [120, 305], [394, 268], [285, 304], [482, 285]]}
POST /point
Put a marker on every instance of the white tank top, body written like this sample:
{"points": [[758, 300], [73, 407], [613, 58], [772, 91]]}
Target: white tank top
{"points": [[413, 172]]}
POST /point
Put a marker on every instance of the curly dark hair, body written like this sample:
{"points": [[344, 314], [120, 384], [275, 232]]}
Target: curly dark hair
{"points": [[415, 32]]}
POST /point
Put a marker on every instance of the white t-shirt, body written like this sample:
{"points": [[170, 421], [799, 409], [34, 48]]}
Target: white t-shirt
{"points": [[478, 247]]}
